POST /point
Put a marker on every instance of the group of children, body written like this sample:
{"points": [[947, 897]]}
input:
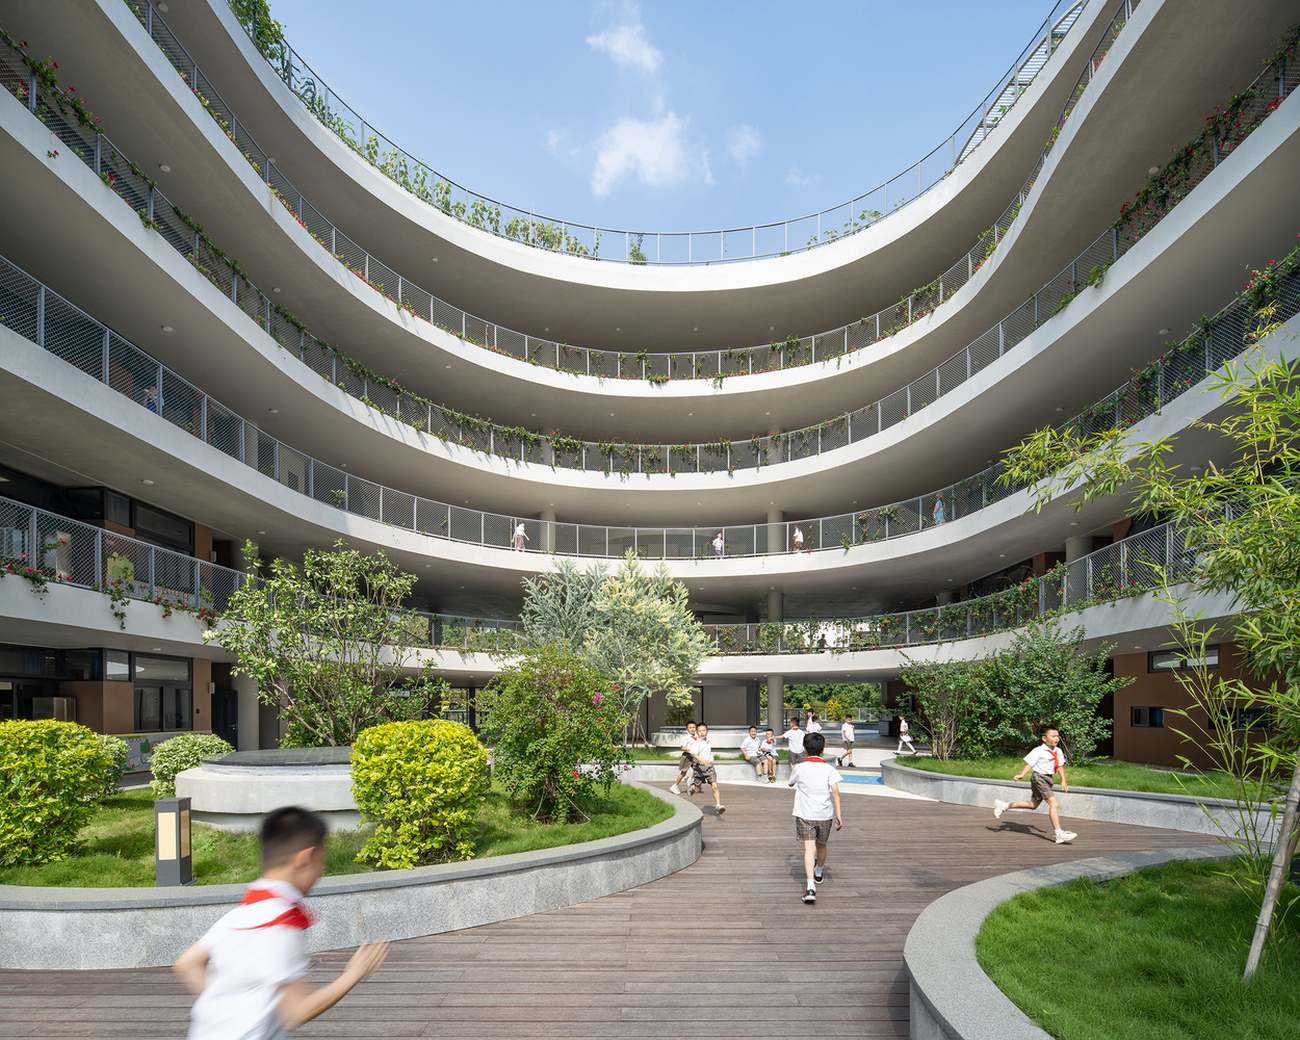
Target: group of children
{"points": [[247, 970]]}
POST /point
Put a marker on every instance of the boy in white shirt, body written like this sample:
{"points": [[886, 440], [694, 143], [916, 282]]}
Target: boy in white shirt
{"points": [[812, 726], [767, 757], [684, 762], [749, 750], [846, 738], [247, 971], [794, 738], [1044, 762], [816, 807], [702, 753]]}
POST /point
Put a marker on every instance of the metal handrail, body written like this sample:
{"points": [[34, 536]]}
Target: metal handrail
{"points": [[717, 456], [44, 317], [679, 247], [625, 458], [71, 552], [715, 364]]}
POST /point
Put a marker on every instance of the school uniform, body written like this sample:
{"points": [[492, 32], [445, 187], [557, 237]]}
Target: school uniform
{"points": [[1043, 762], [702, 753], [814, 809], [794, 738], [253, 951]]}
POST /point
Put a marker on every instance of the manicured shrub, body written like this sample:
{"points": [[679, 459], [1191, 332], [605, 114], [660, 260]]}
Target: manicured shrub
{"points": [[421, 783], [555, 733], [113, 754], [51, 774], [180, 753]]}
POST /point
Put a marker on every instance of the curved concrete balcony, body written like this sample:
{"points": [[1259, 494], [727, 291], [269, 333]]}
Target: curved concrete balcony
{"points": [[57, 361], [897, 441], [495, 379], [170, 600]]}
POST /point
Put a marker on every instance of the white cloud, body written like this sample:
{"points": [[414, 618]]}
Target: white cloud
{"points": [[627, 45], [554, 139], [744, 142], [799, 180], [654, 151]]}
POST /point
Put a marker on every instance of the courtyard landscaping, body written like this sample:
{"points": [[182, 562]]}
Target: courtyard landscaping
{"points": [[116, 847], [1164, 946]]}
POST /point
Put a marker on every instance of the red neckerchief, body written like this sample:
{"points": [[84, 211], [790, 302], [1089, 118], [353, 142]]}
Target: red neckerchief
{"points": [[814, 758], [295, 917], [1056, 763]]}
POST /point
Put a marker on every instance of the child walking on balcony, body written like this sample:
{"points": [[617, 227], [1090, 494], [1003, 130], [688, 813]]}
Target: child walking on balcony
{"points": [[1043, 763]]}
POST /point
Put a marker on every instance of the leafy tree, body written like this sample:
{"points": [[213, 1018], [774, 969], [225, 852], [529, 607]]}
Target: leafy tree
{"points": [[1046, 678], [555, 731], [1240, 521], [560, 606], [634, 626], [319, 641], [948, 695]]}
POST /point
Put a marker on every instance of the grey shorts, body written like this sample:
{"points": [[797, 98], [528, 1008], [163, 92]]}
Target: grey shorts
{"points": [[705, 774], [684, 763], [812, 830], [796, 759], [1040, 788], [847, 745]]}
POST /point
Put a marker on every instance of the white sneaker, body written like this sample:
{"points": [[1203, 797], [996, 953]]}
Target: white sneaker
{"points": [[999, 807], [810, 895], [1065, 837], [675, 789]]}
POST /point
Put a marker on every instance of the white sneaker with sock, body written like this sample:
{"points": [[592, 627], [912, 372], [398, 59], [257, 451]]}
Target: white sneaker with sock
{"points": [[999, 807], [1065, 837]]}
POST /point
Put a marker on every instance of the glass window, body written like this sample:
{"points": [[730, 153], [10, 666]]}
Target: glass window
{"points": [[81, 664], [117, 665], [117, 508], [1143, 718], [1175, 661], [148, 708], [161, 669], [153, 525], [176, 708]]}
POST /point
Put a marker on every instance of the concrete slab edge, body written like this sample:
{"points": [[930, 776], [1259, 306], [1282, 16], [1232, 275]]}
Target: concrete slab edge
{"points": [[951, 997], [1213, 816], [88, 928]]}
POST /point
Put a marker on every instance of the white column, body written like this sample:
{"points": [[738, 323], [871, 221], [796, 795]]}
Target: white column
{"points": [[776, 702], [776, 538], [775, 604], [547, 516], [1078, 545], [945, 597]]}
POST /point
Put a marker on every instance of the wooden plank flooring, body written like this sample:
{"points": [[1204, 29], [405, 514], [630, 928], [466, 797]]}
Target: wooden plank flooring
{"points": [[721, 949]]}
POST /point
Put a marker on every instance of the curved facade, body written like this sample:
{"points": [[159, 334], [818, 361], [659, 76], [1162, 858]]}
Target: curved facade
{"points": [[278, 356]]}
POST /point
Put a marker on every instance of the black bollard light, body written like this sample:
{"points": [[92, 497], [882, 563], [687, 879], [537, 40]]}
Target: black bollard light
{"points": [[172, 862]]}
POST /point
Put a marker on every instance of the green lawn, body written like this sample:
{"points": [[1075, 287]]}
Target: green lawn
{"points": [[118, 849], [1122, 776], [1156, 955]]}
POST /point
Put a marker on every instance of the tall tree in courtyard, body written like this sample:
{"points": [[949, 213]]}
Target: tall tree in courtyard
{"points": [[328, 643], [634, 626], [1240, 522]]}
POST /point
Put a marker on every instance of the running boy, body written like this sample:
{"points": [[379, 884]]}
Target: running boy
{"points": [[794, 738], [1044, 762], [816, 807], [685, 762], [247, 971], [702, 753], [846, 738]]}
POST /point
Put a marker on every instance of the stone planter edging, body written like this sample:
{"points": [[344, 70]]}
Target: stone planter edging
{"points": [[1179, 812], [79, 928], [951, 998]]}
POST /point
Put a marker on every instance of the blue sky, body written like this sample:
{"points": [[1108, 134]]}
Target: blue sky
{"points": [[669, 115]]}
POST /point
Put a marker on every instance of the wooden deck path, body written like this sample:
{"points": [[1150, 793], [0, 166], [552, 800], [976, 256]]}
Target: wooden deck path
{"points": [[721, 949]]}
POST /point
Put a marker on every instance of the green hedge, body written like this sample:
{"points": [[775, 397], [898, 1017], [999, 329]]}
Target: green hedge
{"points": [[180, 753], [114, 753], [422, 784], [51, 775]]}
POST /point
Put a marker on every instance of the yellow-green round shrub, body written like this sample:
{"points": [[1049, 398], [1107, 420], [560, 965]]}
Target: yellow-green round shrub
{"points": [[179, 753], [51, 775], [421, 783], [113, 757]]}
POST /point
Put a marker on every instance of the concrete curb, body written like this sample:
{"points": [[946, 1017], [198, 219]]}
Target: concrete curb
{"points": [[75, 928], [1213, 816], [951, 998]]}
